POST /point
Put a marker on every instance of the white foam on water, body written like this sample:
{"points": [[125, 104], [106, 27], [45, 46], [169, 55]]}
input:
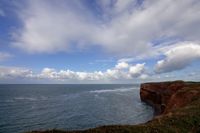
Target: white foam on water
{"points": [[26, 98], [31, 98], [114, 90]]}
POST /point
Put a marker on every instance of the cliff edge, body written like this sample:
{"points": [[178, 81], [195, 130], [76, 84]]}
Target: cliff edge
{"points": [[159, 94], [177, 110]]}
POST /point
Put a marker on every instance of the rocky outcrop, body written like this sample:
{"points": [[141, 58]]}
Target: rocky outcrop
{"points": [[158, 94]]}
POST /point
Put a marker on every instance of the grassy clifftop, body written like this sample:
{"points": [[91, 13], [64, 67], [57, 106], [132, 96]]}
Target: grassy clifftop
{"points": [[181, 115]]}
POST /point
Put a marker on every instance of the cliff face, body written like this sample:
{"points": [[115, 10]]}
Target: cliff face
{"points": [[168, 96], [158, 95]]}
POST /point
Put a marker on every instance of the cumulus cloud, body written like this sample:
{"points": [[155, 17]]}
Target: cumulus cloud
{"points": [[15, 72], [124, 72], [178, 57], [48, 73], [137, 69], [4, 56], [122, 65], [109, 74], [123, 27]]}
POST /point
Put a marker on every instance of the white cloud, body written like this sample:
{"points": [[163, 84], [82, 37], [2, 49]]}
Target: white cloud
{"points": [[135, 73], [122, 65], [48, 73], [144, 76], [15, 72], [49, 28], [137, 69], [110, 74], [126, 59], [4, 56], [123, 5], [64, 25], [178, 57], [113, 74], [68, 74]]}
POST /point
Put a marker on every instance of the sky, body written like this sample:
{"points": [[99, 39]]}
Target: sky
{"points": [[99, 41]]}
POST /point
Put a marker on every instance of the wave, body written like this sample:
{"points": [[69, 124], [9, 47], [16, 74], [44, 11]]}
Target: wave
{"points": [[31, 98], [114, 90], [26, 98]]}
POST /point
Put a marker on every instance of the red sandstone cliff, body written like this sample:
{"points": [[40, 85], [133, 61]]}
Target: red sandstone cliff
{"points": [[165, 96]]}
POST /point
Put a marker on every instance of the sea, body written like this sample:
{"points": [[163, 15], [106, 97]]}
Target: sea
{"points": [[28, 107]]}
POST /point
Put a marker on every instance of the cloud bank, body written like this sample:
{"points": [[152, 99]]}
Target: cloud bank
{"points": [[122, 27], [178, 57], [125, 71], [163, 34], [14, 72]]}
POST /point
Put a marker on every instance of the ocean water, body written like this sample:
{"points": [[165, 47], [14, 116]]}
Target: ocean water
{"points": [[69, 107]]}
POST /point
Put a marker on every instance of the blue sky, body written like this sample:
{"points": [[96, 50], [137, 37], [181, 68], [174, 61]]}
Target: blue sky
{"points": [[99, 41]]}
